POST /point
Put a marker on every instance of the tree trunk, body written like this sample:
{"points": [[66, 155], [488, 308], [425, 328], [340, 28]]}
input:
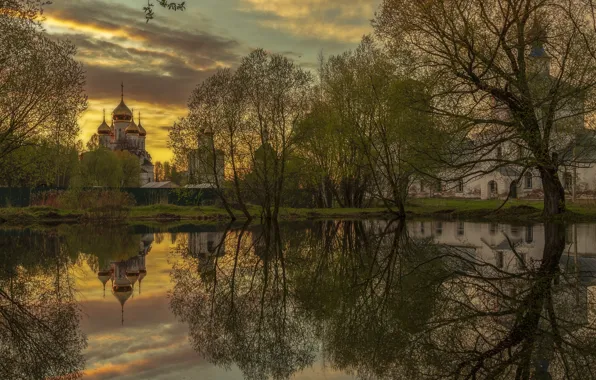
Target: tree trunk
{"points": [[554, 192]]}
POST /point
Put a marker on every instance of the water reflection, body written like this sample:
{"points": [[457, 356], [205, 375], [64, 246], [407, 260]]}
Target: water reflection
{"points": [[386, 300], [39, 318], [369, 300]]}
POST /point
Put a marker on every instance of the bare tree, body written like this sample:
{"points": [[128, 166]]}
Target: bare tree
{"points": [[511, 80]]}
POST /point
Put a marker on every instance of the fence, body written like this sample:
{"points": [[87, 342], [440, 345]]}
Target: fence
{"points": [[21, 196]]}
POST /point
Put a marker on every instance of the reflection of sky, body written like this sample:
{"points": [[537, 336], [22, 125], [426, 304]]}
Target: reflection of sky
{"points": [[162, 61], [151, 344]]}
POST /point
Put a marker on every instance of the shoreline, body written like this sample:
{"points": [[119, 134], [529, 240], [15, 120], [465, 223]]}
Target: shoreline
{"points": [[417, 209]]}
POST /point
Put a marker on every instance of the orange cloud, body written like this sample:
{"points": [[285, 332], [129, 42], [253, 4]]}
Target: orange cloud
{"points": [[56, 22], [344, 21]]}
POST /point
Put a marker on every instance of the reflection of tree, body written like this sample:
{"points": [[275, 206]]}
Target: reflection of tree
{"points": [[384, 305], [101, 244], [39, 318], [244, 313], [356, 288]]}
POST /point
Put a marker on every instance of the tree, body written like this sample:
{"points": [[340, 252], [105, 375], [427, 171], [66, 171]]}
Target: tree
{"points": [[167, 171], [516, 76], [158, 170], [379, 113], [215, 127], [101, 167], [93, 142], [131, 169], [41, 84], [173, 6], [276, 94]]}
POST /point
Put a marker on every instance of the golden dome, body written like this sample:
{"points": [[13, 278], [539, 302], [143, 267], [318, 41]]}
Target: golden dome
{"points": [[142, 131], [122, 112], [103, 128], [132, 128]]}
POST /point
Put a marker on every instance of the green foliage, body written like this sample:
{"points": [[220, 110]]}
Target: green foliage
{"points": [[131, 169], [186, 197], [104, 168]]}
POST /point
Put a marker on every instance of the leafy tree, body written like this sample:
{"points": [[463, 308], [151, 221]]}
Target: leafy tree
{"points": [[173, 6], [131, 168], [167, 171], [93, 142], [101, 167], [158, 170], [41, 84]]}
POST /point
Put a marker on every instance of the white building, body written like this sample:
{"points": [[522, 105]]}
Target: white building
{"points": [[574, 143]]}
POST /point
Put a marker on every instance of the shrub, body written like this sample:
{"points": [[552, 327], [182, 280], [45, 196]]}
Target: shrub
{"points": [[50, 198], [97, 203]]}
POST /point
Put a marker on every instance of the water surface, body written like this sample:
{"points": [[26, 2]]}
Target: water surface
{"points": [[324, 300]]}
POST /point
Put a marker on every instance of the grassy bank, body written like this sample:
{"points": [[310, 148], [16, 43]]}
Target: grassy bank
{"points": [[513, 211]]}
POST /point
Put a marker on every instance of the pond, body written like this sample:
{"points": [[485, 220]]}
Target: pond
{"points": [[300, 300]]}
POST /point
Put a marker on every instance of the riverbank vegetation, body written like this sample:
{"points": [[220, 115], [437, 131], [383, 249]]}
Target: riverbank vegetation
{"points": [[416, 102], [437, 209]]}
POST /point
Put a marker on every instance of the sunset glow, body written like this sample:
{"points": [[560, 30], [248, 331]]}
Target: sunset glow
{"points": [[160, 62]]}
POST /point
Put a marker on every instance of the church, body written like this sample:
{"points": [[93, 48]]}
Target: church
{"points": [[125, 134]]}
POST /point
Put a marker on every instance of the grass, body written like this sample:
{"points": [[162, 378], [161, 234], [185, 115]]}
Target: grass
{"points": [[435, 208]]}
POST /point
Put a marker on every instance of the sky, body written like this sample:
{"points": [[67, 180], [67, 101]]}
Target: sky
{"points": [[160, 62]]}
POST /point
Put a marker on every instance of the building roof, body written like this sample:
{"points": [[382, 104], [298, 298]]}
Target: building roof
{"points": [[160, 185], [122, 110], [142, 131], [132, 128]]}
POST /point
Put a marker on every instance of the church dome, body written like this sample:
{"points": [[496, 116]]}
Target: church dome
{"points": [[142, 131], [103, 128], [122, 112], [132, 128]]}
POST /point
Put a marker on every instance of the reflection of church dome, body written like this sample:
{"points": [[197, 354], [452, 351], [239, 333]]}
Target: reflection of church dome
{"points": [[104, 276], [122, 293]]}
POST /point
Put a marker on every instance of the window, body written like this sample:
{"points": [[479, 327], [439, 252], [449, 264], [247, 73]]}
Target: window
{"points": [[460, 186], [492, 188], [568, 179], [569, 235], [460, 229], [528, 180], [422, 228], [515, 230], [499, 152], [421, 186], [439, 228], [493, 228], [438, 186], [529, 234]]}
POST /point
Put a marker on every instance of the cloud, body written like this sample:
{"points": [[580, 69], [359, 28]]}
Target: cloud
{"points": [[158, 62], [345, 20]]}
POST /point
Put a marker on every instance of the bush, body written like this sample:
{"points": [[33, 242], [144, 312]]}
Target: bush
{"points": [[97, 203], [50, 198]]}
